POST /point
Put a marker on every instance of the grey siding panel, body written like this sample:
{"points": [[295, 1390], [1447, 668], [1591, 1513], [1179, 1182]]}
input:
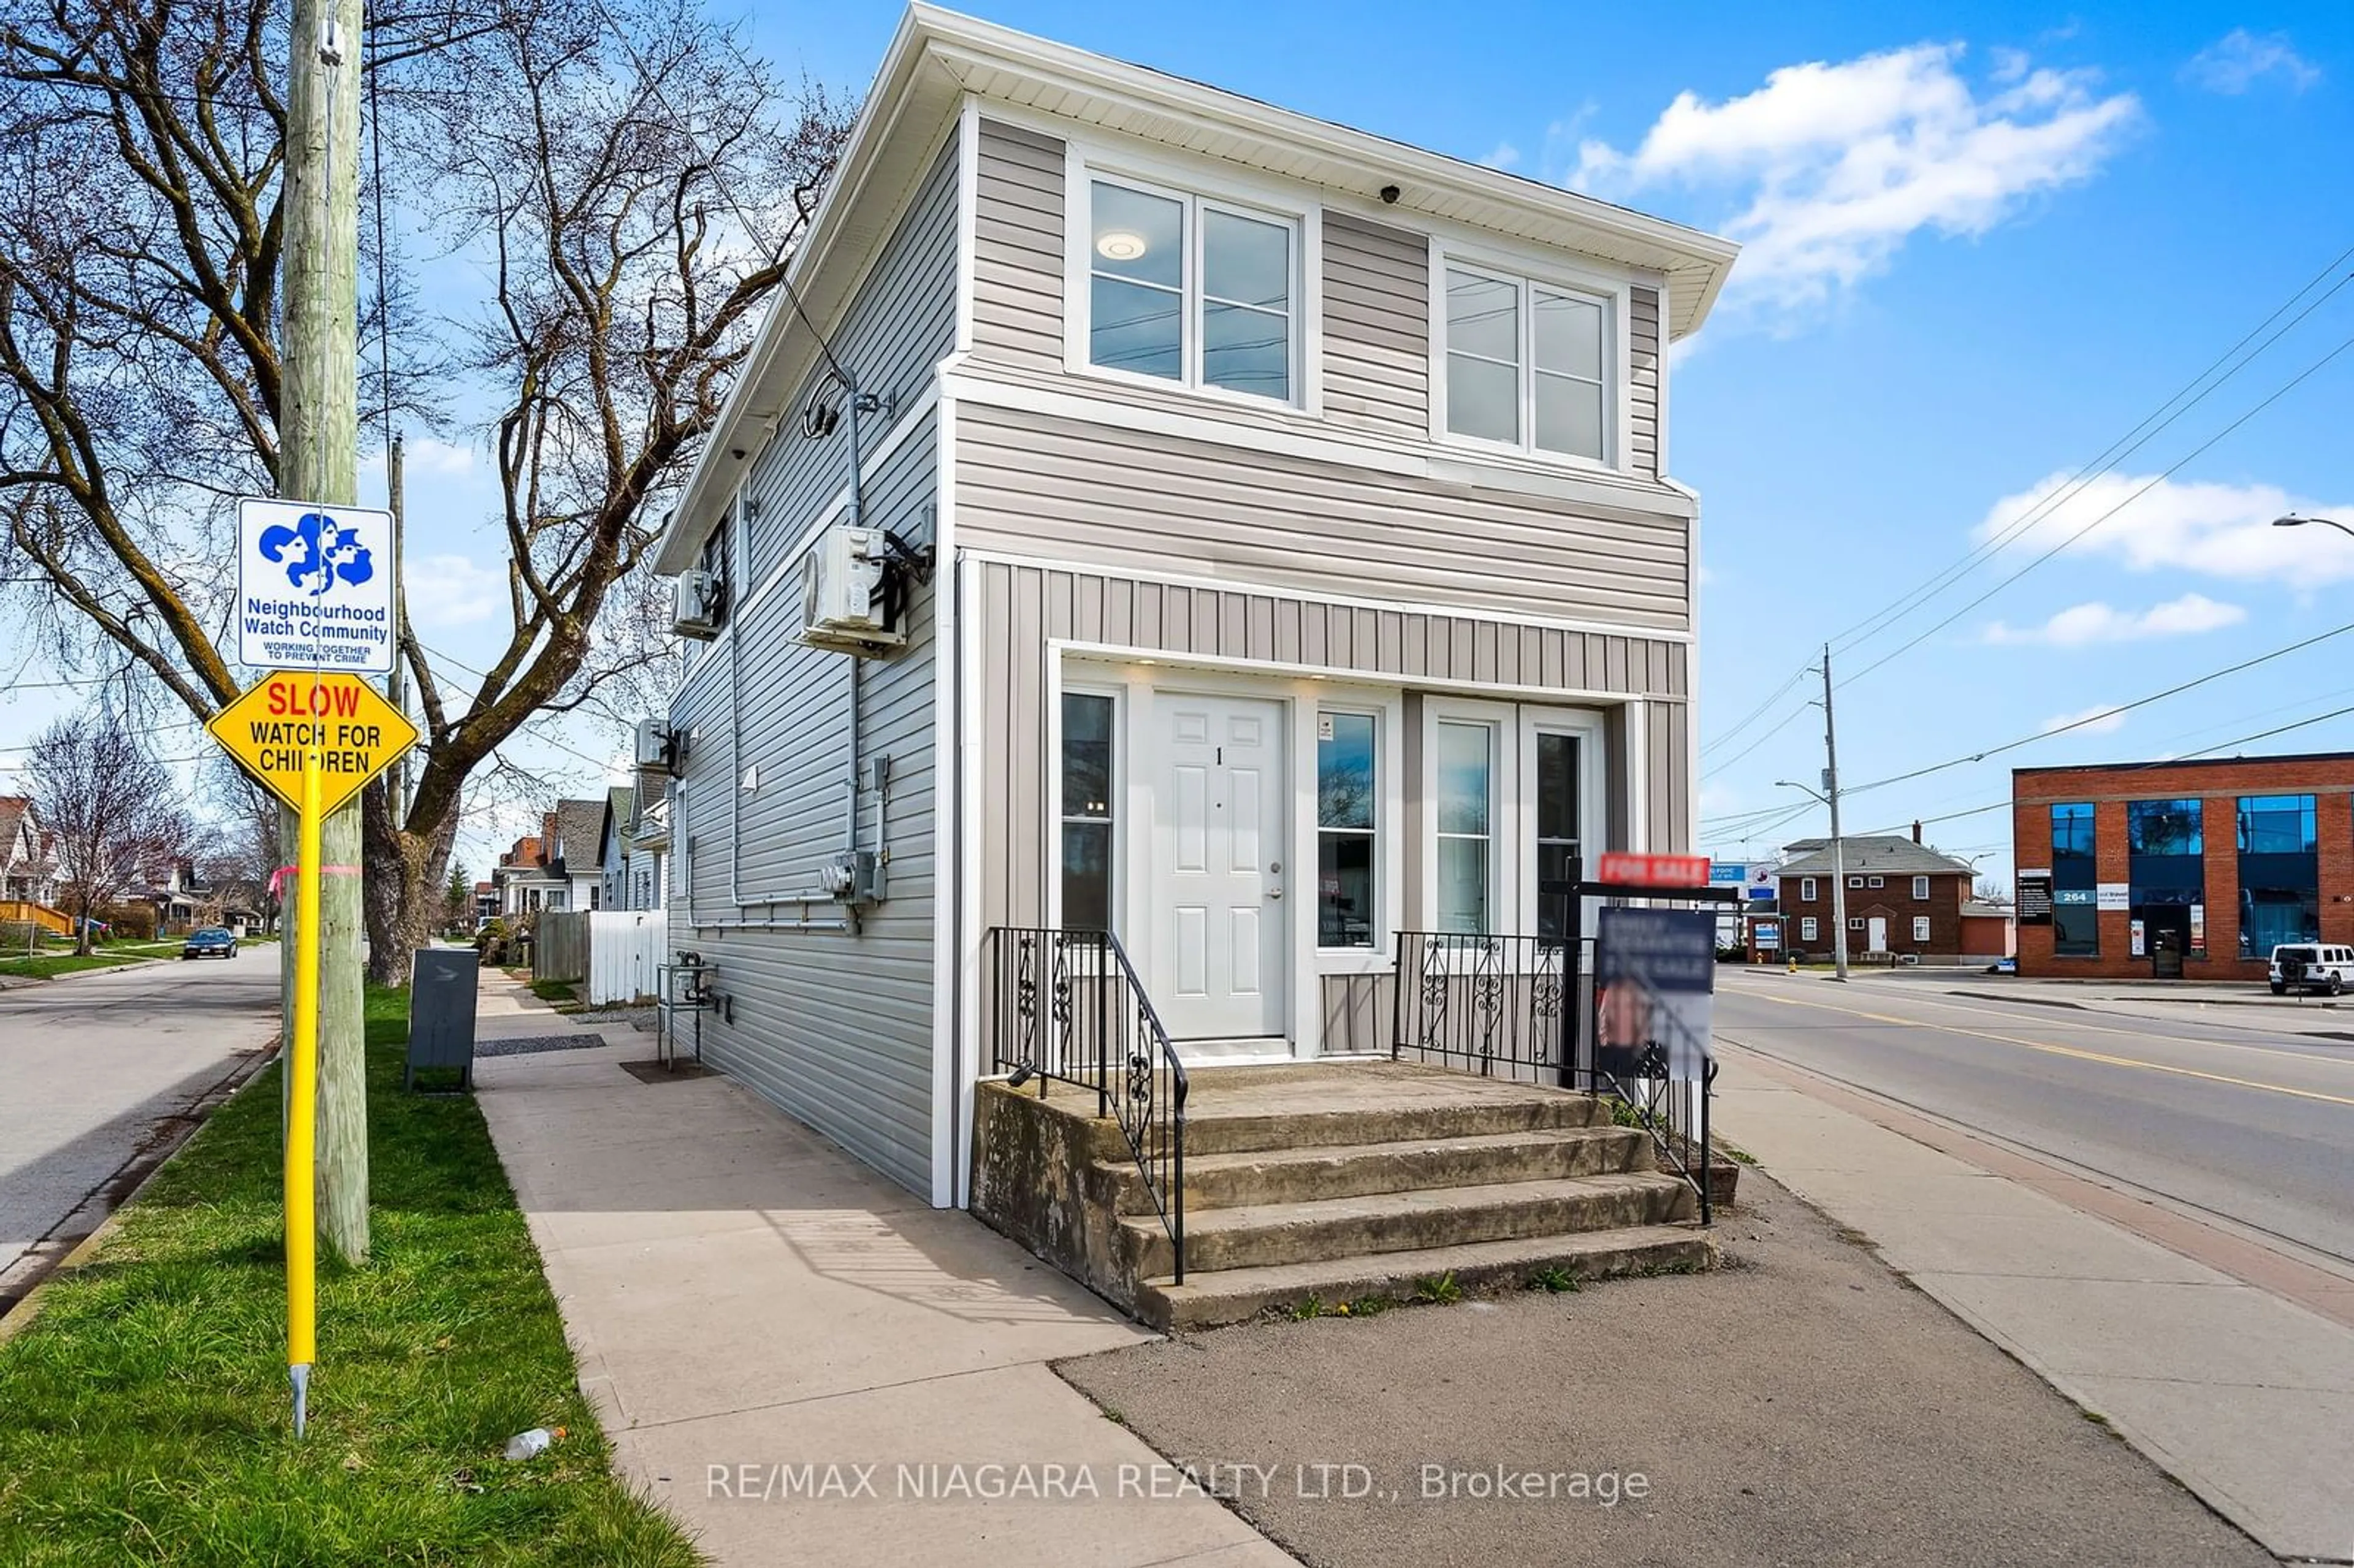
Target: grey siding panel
{"points": [[1643, 380], [1023, 606], [834, 1027], [1017, 302], [1377, 326], [902, 325], [1043, 484]]}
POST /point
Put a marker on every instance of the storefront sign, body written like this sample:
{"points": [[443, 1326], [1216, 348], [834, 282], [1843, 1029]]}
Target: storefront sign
{"points": [[2117, 895], [2140, 944], [2035, 898], [2199, 930]]}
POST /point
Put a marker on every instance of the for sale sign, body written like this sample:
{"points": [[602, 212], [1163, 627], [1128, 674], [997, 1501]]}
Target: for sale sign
{"points": [[1623, 870]]}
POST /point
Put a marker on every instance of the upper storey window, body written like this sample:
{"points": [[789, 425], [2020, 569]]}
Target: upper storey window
{"points": [[1528, 363], [1192, 290]]}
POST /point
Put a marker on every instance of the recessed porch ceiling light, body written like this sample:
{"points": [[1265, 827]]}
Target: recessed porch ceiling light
{"points": [[1120, 245]]}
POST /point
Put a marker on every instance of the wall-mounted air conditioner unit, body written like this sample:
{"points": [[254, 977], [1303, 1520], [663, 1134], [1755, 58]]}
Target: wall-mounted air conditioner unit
{"points": [[698, 605], [658, 749], [845, 605]]}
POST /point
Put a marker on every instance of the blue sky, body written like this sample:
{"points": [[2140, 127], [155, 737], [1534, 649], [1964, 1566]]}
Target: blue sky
{"points": [[1984, 242]]}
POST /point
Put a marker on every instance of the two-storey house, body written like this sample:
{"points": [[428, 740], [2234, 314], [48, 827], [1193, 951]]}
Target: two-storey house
{"points": [[1282, 556], [1905, 902]]}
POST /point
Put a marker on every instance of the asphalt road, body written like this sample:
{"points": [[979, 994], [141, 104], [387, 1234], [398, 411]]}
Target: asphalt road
{"points": [[94, 1068], [2234, 1119]]}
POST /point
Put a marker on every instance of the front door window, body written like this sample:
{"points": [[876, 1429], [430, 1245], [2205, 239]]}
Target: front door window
{"points": [[1557, 838]]}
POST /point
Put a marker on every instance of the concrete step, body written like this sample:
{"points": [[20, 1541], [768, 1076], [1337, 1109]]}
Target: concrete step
{"points": [[1346, 1171], [1263, 1235], [1214, 1125], [1208, 1299]]}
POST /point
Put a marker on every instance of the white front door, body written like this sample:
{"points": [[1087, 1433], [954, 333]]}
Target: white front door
{"points": [[1218, 876], [1877, 931]]}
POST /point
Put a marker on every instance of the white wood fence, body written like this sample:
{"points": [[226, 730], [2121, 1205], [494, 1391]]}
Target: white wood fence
{"points": [[616, 955], [625, 954]]}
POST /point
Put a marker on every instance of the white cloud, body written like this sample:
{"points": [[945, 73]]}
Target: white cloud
{"points": [[2149, 522], [451, 590], [1841, 163], [423, 454], [2097, 623], [2091, 720], [1505, 157], [2238, 60]]}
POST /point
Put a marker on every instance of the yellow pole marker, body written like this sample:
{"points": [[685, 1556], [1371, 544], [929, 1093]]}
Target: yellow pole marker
{"points": [[303, 1087]]}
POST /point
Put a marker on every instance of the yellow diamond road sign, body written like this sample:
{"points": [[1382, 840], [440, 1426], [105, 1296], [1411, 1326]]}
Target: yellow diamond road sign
{"points": [[275, 726]]}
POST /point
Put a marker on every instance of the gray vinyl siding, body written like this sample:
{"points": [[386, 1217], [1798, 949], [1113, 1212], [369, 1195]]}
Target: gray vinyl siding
{"points": [[1377, 326], [1042, 484], [833, 1027], [1021, 607], [901, 325], [1643, 381], [1017, 272]]}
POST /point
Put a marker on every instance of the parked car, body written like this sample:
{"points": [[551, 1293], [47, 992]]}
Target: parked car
{"points": [[2003, 967], [212, 942], [2310, 967]]}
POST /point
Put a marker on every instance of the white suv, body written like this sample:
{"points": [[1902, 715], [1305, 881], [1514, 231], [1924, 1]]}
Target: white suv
{"points": [[2311, 966]]}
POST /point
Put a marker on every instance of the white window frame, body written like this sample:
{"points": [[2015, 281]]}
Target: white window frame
{"points": [[1807, 928], [1117, 892], [1384, 830], [1614, 295], [1921, 889], [1188, 187], [1875, 882], [1806, 890], [1855, 922], [1513, 815], [1920, 927], [1854, 883]]}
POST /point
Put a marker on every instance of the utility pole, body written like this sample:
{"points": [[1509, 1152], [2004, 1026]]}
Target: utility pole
{"points": [[1838, 848], [318, 459]]}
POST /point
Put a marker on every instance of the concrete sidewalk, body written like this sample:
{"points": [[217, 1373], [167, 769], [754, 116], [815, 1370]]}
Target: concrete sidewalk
{"points": [[2245, 1398], [804, 1363]]}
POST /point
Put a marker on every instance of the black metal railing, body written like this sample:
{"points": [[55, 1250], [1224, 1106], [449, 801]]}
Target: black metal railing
{"points": [[1510, 1006], [1489, 1005], [1067, 1007]]}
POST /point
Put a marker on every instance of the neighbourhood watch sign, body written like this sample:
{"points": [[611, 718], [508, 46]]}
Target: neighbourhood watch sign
{"points": [[314, 588]]}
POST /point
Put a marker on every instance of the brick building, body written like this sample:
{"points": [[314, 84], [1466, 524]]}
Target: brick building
{"points": [[2194, 869], [1903, 899]]}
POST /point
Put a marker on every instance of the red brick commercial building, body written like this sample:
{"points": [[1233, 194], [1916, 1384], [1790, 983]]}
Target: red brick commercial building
{"points": [[2182, 869]]}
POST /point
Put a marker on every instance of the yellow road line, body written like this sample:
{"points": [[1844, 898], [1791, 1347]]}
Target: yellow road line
{"points": [[1950, 1006], [2082, 1055]]}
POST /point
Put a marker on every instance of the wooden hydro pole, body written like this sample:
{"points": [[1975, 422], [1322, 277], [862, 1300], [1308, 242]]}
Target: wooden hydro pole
{"points": [[317, 461]]}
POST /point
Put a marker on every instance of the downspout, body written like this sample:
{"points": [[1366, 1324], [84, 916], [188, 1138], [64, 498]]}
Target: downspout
{"points": [[857, 520]]}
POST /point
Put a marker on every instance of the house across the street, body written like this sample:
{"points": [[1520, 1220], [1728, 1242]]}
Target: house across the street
{"points": [[1235, 533], [1905, 902]]}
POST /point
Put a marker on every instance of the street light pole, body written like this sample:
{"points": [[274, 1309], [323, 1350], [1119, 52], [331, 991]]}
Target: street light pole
{"points": [[2294, 521], [1839, 848]]}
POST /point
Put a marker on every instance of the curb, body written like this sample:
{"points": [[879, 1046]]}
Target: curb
{"points": [[18, 1313]]}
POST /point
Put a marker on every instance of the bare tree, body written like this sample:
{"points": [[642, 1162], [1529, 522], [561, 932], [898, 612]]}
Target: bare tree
{"points": [[631, 179], [1988, 890], [245, 851], [111, 807]]}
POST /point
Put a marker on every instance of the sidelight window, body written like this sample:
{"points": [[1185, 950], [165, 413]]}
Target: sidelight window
{"points": [[1086, 811], [1347, 813], [1467, 793]]}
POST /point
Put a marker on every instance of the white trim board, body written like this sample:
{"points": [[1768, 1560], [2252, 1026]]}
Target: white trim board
{"points": [[1345, 601], [1574, 695]]}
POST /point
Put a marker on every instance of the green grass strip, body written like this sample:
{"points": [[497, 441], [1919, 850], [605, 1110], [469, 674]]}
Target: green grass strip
{"points": [[144, 1414]]}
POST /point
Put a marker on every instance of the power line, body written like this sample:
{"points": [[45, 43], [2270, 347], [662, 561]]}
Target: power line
{"points": [[2105, 713], [2123, 447], [1800, 673], [2197, 451]]}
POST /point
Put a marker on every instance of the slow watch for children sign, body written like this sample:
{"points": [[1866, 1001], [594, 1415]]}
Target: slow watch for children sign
{"points": [[294, 717]]}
